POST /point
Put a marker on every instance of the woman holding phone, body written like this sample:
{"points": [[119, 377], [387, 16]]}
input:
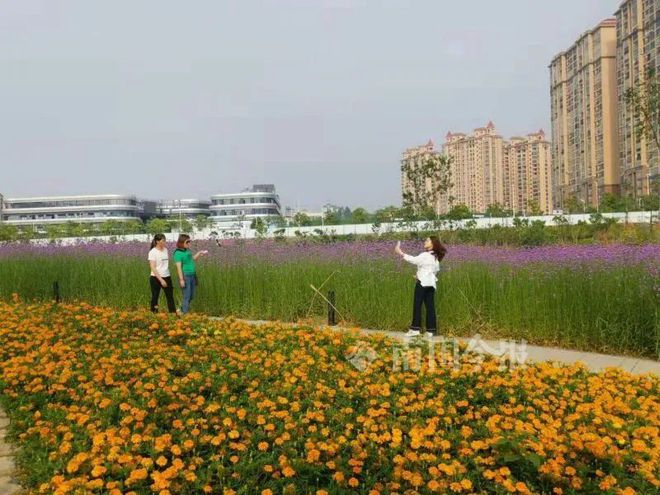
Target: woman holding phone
{"points": [[185, 266], [428, 265], [160, 273]]}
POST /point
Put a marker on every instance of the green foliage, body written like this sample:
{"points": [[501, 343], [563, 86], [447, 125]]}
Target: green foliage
{"points": [[533, 208], [428, 178], [496, 210], [157, 226], [260, 226], [301, 219], [387, 214], [8, 232], [332, 217], [202, 222], [459, 212], [360, 215], [612, 310], [645, 101]]}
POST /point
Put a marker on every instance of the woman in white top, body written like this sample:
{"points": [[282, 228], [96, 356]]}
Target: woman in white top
{"points": [[160, 274], [428, 265]]}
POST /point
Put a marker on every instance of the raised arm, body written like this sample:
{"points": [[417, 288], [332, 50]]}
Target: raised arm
{"points": [[415, 260]]}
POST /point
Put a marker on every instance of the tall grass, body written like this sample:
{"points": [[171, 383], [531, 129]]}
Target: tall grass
{"points": [[613, 309]]}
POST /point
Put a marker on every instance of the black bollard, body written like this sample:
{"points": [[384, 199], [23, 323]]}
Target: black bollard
{"points": [[56, 292], [331, 308]]}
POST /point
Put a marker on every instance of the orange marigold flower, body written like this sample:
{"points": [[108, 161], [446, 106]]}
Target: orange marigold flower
{"points": [[288, 472]]}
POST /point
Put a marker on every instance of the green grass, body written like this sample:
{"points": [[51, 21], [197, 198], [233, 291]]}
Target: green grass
{"points": [[613, 310]]}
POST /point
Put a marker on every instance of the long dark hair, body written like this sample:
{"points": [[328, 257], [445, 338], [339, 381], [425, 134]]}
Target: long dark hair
{"points": [[157, 237], [438, 250]]}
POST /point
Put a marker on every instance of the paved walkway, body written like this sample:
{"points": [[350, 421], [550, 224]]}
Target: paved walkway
{"points": [[7, 484], [592, 360]]}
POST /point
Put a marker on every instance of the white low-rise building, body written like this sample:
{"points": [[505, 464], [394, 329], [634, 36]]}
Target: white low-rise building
{"points": [[38, 212], [259, 201]]}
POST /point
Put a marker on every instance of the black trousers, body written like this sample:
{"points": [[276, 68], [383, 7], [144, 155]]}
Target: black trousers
{"points": [[155, 293], [424, 296]]}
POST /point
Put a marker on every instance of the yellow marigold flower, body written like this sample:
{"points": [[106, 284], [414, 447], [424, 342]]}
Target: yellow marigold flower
{"points": [[504, 471], [467, 484], [137, 475], [267, 491], [98, 471], [455, 487], [313, 455], [288, 472], [263, 446], [161, 461]]}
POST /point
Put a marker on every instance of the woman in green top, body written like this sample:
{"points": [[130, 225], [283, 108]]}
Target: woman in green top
{"points": [[185, 265]]}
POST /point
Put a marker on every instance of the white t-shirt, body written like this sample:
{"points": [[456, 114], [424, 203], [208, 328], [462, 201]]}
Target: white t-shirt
{"points": [[427, 267], [162, 261]]}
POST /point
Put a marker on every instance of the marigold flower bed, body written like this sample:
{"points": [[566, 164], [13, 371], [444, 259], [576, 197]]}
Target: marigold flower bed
{"points": [[103, 401]]}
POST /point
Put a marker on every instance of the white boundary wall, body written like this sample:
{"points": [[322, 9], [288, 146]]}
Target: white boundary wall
{"points": [[246, 233]]}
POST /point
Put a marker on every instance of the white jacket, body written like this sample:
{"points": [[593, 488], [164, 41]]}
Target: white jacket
{"points": [[427, 267]]}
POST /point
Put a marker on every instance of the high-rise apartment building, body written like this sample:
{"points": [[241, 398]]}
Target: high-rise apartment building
{"points": [[477, 173], [488, 170], [637, 51], [528, 173], [585, 152]]}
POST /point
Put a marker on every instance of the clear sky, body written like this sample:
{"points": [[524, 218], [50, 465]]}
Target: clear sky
{"points": [[174, 99]]}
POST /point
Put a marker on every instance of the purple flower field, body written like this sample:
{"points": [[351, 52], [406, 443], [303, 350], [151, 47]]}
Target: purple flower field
{"points": [[233, 252]]}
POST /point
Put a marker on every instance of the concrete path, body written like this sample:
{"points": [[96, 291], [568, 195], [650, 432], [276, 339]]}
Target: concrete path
{"points": [[8, 485], [592, 360]]}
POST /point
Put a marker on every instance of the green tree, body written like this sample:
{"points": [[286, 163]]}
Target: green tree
{"points": [[533, 208], [611, 203], [360, 215], [573, 205], [157, 226], [428, 177], [301, 219], [260, 226], [54, 231], [459, 212], [496, 210], [332, 217], [8, 233], [73, 229], [387, 214], [110, 227], [202, 222], [182, 225], [133, 227], [644, 98]]}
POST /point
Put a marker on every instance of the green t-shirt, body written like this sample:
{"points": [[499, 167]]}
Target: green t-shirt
{"points": [[185, 257]]}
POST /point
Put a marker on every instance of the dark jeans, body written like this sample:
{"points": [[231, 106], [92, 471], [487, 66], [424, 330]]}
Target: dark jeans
{"points": [[155, 293], [425, 296]]}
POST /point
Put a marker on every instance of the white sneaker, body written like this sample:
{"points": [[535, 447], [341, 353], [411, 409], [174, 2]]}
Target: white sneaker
{"points": [[412, 333]]}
